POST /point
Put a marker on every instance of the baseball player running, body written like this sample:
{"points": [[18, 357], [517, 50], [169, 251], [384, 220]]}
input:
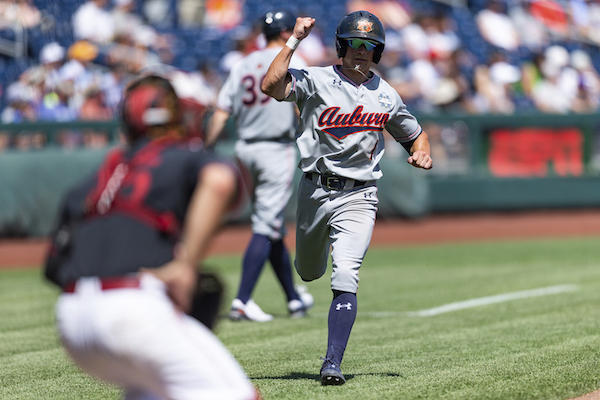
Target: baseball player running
{"points": [[125, 254], [344, 110], [265, 146]]}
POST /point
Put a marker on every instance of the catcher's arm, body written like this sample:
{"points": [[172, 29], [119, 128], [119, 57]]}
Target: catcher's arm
{"points": [[211, 199], [278, 82]]}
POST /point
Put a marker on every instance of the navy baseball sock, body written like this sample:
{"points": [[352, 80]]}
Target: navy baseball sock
{"points": [[280, 260], [342, 314], [254, 260]]}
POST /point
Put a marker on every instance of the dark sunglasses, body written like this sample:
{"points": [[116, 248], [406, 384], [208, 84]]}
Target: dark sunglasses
{"points": [[356, 43]]}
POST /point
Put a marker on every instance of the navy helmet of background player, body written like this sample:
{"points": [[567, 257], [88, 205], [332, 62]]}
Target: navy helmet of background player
{"points": [[126, 253], [265, 147], [344, 110]]}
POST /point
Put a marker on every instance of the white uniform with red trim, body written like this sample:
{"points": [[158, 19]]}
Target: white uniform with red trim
{"points": [[136, 338], [340, 138]]}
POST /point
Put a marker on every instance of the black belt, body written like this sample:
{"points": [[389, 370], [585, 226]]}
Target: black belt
{"points": [[334, 182]]}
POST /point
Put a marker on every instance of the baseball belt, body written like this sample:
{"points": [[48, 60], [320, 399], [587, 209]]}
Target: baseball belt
{"points": [[119, 282], [335, 182]]}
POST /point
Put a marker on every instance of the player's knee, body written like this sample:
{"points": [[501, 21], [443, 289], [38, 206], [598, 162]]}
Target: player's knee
{"points": [[345, 278]]}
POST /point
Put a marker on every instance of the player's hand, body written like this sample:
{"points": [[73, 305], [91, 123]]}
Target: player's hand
{"points": [[180, 278], [420, 159], [303, 27]]}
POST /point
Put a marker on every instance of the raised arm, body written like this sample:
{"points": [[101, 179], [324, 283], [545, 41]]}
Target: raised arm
{"points": [[277, 83]]}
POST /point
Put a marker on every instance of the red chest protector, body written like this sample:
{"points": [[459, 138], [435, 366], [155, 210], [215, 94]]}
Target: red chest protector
{"points": [[116, 173]]}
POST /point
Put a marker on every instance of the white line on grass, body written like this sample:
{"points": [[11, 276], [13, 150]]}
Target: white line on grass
{"points": [[481, 301], [500, 298]]}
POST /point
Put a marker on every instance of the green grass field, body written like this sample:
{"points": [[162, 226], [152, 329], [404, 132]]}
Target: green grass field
{"points": [[526, 345]]}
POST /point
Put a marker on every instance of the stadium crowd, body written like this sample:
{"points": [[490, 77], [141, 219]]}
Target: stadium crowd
{"points": [[532, 57]]}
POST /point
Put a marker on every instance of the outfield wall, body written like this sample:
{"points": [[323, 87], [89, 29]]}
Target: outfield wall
{"points": [[481, 163]]}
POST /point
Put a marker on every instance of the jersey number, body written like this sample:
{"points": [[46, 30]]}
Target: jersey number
{"points": [[253, 92]]}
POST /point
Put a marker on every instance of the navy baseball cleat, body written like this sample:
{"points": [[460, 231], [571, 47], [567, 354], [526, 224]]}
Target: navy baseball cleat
{"points": [[331, 373]]}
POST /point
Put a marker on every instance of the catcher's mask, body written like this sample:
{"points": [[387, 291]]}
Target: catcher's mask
{"points": [[277, 21], [360, 25], [150, 107]]}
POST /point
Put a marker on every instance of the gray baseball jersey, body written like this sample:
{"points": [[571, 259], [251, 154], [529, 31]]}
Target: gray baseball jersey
{"points": [[341, 133], [265, 129], [257, 116], [341, 123]]}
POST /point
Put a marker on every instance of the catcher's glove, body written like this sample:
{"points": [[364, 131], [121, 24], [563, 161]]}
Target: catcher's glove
{"points": [[208, 297]]}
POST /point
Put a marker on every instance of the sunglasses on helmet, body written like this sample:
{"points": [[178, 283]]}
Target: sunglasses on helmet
{"points": [[356, 43]]}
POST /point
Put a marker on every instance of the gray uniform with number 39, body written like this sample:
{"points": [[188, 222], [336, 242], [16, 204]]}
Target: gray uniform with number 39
{"points": [[265, 129], [340, 133]]}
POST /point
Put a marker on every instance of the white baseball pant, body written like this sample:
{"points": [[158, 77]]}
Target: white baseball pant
{"points": [[340, 220], [135, 338]]}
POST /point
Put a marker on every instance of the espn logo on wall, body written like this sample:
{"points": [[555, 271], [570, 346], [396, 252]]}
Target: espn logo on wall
{"points": [[536, 152]]}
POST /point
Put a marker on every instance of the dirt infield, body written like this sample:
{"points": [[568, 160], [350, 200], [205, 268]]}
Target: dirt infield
{"points": [[433, 229]]}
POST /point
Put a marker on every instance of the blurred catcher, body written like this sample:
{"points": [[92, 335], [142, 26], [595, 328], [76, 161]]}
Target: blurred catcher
{"points": [[126, 253]]}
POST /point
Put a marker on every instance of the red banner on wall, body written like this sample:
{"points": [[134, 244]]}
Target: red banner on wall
{"points": [[536, 152]]}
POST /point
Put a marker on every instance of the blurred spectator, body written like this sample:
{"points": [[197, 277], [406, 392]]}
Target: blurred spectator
{"points": [[494, 85], [158, 13], [78, 73], [312, 49], [588, 93], [125, 21], [552, 14], [113, 83], [18, 110], [415, 40], [52, 57], [223, 14], [533, 35], [496, 27], [131, 29], [245, 41], [442, 37], [557, 91], [91, 21], [94, 109], [393, 14], [54, 105], [22, 12], [594, 21], [191, 13], [453, 93]]}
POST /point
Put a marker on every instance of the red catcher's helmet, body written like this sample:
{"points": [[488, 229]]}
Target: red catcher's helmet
{"points": [[150, 102], [360, 25]]}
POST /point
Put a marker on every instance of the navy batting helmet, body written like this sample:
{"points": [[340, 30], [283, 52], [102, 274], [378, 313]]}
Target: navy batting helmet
{"points": [[277, 21], [360, 25]]}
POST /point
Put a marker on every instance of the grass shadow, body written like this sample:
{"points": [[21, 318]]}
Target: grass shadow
{"points": [[317, 377]]}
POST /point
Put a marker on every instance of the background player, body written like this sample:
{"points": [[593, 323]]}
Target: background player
{"points": [[126, 252], [265, 145], [344, 110]]}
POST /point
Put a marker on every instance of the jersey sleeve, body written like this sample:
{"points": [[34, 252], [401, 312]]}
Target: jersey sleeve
{"points": [[403, 126], [226, 94], [302, 85]]}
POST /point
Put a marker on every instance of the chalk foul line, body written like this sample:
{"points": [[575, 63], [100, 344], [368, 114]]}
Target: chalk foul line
{"points": [[481, 301]]}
